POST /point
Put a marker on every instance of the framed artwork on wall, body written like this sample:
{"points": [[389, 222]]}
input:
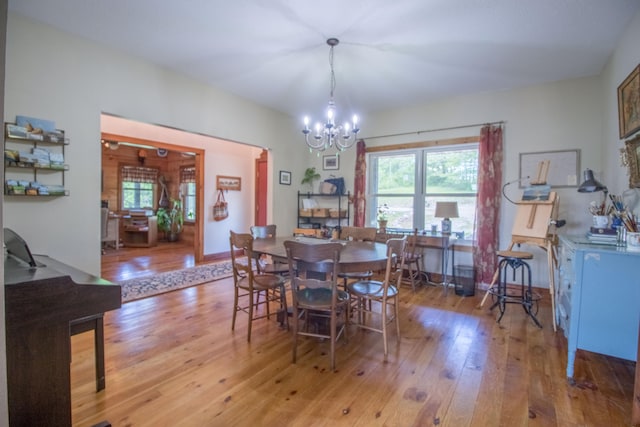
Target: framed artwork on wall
{"points": [[629, 104], [285, 178], [633, 161], [330, 162]]}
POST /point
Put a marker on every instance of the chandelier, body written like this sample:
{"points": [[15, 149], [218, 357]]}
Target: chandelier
{"points": [[328, 134]]}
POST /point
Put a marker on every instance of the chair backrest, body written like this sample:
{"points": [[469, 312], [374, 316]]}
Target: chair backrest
{"points": [[241, 245], [360, 234], [396, 250], [263, 231], [411, 243], [304, 257]]}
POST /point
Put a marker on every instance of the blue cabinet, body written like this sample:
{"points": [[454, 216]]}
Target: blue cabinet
{"points": [[598, 298]]}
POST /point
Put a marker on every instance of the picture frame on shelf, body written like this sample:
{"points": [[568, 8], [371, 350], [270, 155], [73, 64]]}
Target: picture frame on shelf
{"points": [[629, 104], [632, 148], [285, 178], [330, 162]]}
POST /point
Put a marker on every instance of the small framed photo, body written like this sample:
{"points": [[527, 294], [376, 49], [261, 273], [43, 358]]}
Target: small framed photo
{"points": [[330, 162], [285, 178], [629, 104]]}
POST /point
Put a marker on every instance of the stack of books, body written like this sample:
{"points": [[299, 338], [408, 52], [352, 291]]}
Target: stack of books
{"points": [[605, 236]]}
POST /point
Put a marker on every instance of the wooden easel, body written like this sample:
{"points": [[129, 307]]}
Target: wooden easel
{"points": [[534, 224]]}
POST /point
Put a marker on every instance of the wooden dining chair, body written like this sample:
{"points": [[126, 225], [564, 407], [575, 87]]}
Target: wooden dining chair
{"points": [[359, 234], [277, 265], [249, 283], [316, 300], [376, 299], [412, 260]]}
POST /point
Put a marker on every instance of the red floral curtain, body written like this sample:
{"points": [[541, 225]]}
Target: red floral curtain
{"points": [[488, 204], [359, 186]]}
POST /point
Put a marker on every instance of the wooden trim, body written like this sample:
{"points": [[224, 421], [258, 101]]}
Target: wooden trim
{"points": [[423, 144]]}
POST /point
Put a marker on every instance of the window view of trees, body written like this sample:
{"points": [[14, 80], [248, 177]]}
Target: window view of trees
{"points": [[137, 195], [411, 182]]}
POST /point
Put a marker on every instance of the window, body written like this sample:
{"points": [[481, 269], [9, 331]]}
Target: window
{"points": [[410, 182], [188, 191], [138, 187]]}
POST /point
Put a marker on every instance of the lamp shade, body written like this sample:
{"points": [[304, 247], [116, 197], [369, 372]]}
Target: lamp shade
{"points": [[446, 210], [590, 184]]}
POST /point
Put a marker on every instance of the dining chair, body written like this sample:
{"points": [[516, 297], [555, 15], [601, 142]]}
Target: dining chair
{"points": [[278, 265], [412, 260], [249, 283], [359, 234], [373, 295], [316, 300]]}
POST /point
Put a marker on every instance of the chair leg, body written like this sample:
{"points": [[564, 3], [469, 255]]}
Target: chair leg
{"points": [[235, 309], [251, 295], [397, 316], [332, 325], [295, 334], [384, 329]]}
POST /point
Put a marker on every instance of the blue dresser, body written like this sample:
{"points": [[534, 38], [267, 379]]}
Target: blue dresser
{"points": [[598, 298]]}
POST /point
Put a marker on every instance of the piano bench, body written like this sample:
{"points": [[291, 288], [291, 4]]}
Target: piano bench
{"points": [[93, 323]]}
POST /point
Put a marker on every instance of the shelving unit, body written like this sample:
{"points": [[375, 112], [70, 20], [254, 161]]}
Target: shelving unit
{"points": [[34, 163], [331, 208]]}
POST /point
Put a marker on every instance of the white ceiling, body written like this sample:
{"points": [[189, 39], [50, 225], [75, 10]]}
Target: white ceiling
{"points": [[391, 54]]}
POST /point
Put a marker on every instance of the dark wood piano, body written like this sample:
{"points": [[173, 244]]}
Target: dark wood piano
{"points": [[43, 306]]}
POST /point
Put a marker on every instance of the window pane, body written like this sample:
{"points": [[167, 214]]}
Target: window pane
{"points": [[400, 213], [451, 172], [189, 191], [396, 174], [137, 195], [466, 211]]}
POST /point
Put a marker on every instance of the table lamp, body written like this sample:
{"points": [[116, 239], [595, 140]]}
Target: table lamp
{"points": [[446, 210], [592, 185]]}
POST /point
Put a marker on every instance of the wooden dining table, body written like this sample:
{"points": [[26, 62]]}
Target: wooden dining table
{"points": [[354, 257]]}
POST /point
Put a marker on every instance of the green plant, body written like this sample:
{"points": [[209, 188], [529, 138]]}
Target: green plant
{"points": [[310, 175], [383, 213], [171, 221]]}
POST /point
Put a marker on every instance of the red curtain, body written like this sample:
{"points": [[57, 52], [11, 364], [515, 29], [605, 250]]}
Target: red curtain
{"points": [[359, 186], [488, 204]]}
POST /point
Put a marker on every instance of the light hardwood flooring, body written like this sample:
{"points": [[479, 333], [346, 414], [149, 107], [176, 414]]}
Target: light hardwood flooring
{"points": [[172, 360]]}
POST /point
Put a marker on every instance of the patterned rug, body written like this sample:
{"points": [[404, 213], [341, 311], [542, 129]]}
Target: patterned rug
{"points": [[173, 280]]}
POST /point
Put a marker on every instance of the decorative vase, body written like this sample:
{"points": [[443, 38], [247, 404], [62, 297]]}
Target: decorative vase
{"points": [[382, 225]]}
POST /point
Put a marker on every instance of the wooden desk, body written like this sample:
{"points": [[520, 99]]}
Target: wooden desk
{"points": [[139, 231], [355, 256], [597, 299]]}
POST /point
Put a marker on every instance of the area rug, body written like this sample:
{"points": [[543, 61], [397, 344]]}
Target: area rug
{"points": [[165, 282]]}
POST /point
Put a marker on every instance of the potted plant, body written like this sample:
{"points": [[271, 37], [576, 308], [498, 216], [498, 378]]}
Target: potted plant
{"points": [[383, 216], [171, 221], [310, 175]]}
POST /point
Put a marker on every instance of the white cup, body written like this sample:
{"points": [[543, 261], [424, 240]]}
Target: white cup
{"points": [[633, 239], [600, 221]]}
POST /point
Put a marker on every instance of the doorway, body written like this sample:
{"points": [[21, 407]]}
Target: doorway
{"points": [[170, 160]]}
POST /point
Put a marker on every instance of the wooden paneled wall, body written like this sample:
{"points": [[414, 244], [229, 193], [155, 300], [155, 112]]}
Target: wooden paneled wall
{"points": [[168, 166]]}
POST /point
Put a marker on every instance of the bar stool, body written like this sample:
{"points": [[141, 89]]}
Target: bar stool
{"points": [[515, 260]]}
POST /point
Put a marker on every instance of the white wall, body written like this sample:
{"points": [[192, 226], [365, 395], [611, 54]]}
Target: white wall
{"points": [[55, 76]]}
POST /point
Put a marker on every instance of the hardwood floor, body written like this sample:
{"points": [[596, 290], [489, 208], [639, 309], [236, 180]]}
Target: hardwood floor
{"points": [[173, 360]]}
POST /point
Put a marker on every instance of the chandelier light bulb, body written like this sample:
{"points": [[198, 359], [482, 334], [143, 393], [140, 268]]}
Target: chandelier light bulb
{"points": [[328, 134]]}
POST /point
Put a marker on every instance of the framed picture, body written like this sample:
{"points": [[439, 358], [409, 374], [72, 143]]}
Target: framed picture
{"points": [[285, 178], [330, 162], [629, 104], [633, 161], [228, 183]]}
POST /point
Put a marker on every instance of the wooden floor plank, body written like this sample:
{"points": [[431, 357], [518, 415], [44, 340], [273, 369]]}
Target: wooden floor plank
{"points": [[173, 360]]}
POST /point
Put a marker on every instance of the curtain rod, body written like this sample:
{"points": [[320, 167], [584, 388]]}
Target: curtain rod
{"points": [[432, 130]]}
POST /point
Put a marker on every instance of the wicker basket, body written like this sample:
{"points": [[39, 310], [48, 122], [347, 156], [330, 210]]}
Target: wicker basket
{"points": [[305, 212], [320, 212], [335, 213]]}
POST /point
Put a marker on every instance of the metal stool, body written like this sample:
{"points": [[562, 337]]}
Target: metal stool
{"points": [[527, 298]]}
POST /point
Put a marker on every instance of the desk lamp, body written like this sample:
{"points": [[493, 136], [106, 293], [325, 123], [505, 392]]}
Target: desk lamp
{"points": [[591, 185], [446, 210]]}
